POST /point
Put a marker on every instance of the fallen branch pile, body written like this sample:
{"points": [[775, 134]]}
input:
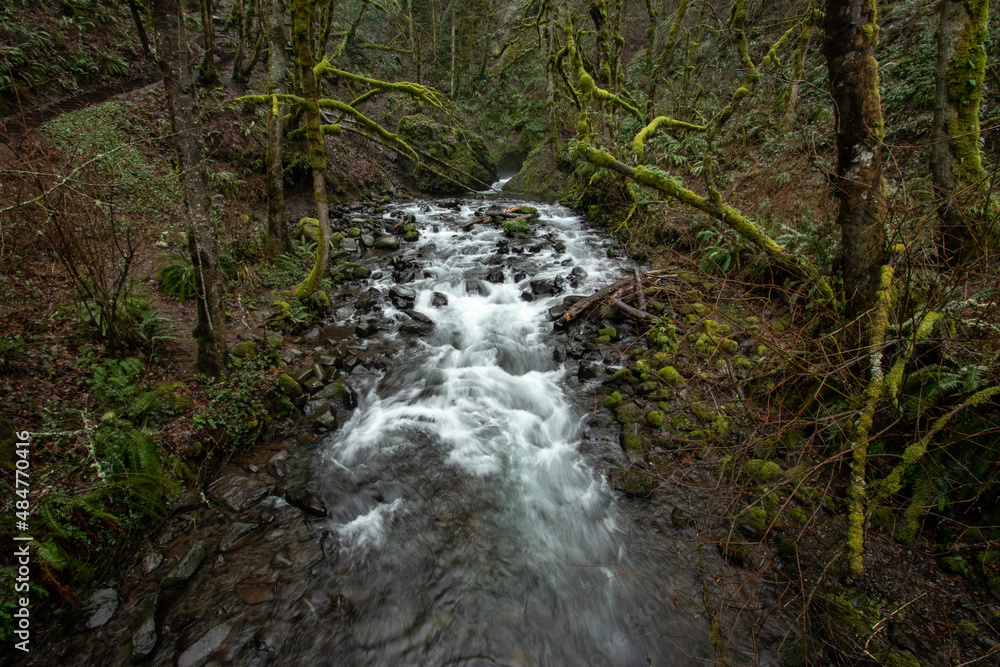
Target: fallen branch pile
{"points": [[615, 294]]}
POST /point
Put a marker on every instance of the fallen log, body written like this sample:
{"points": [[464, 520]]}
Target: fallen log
{"points": [[629, 310], [583, 304], [616, 291]]}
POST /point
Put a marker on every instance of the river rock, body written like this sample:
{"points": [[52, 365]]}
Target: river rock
{"points": [[238, 493], [368, 240], [438, 300], [197, 652], [527, 296], [324, 418], [235, 533], [147, 636], [418, 316], [103, 604], [402, 297], [555, 312], [366, 328], [495, 277], [634, 482], [341, 393], [387, 243], [351, 245], [474, 287], [542, 286], [151, 561], [559, 354], [586, 372], [303, 499], [185, 569]]}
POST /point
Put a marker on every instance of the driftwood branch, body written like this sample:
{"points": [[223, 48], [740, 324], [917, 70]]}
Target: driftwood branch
{"points": [[615, 292]]}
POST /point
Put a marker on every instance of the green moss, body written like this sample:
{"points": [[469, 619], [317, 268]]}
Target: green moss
{"points": [[288, 386], [629, 413], [244, 350], [308, 228], [654, 418], [706, 345], [610, 332], [411, 236], [798, 515], [624, 376], [613, 401], [604, 340], [761, 471], [633, 443], [739, 361], [680, 422], [728, 345], [670, 375]]}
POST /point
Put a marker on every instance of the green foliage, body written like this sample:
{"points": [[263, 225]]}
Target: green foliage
{"points": [[177, 276], [134, 323], [512, 227], [241, 408], [719, 255]]}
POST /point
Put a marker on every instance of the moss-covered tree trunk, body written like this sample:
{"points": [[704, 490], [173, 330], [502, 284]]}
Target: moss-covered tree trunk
{"points": [[178, 81], [851, 35], [956, 165], [277, 234], [305, 61], [451, 88], [414, 47]]}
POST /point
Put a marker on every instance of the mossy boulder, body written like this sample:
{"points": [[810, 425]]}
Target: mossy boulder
{"points": [[244, 350], [761, 471], [308, 228], [629, 413], [654, 418], [539, 178], [670, 375], [613, 401], [288, 386], [460, 158]]}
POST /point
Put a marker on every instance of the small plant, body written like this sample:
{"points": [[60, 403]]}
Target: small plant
{"points": [[516, 226]]}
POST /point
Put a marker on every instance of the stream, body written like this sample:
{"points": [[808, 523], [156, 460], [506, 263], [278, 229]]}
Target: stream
{"points": [[460, 512]]}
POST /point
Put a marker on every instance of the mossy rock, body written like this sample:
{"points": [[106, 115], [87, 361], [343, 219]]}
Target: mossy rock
{"points": [[540, 178], [613, 401], [629, 413], [308, 228], [411, 236], [753, 523], [671, 376], [604, 340], [288, 386], [761, 471], [636, 482], [460, 158], [681, 518], [610, 332], [633, 444], [654, 418], [244, 350], [798, 515]]}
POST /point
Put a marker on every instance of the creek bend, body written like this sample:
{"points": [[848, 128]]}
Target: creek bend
{"points": [[467, 516]]}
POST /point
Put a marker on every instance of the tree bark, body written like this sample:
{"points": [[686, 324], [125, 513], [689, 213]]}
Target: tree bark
{"points": [[178, 82], [955, 161], [277, 234], [414, 49], [452, 87], [305, 60], [851, 35]]}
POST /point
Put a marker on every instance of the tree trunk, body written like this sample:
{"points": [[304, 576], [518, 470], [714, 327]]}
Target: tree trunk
{"points": [[277, 234], [851, 36], [137, 18], [207, 70], [305, 60], [956, 165], [178, 82]]}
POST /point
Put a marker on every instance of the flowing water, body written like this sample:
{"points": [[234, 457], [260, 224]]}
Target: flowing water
{"points": [[473, 525], [468, 518]]}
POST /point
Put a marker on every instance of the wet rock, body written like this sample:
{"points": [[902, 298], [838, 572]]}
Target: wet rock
{"points": [[151, 561], [414, 328], [185, 500], [276, 464], [542, 286], [537, 248], [288, 386], [555, 312], [527, 296], [559, 246], [351, 245], [681, 518], [185, 569], [303, 499], [102, 604], [366, 328], [368, 301], [302, 373], [579, 272], [197, 652], [418, 316], [474, 287], [341, 394], [281, 561], [147, 636], [634, 482], [586, 372], [368, 240], [312, 384], [256, 590], [387, 243], [402, 297], [324, 418], [238, 493], [438, 300], [559, 354], [495, 277], [235, 533]]}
